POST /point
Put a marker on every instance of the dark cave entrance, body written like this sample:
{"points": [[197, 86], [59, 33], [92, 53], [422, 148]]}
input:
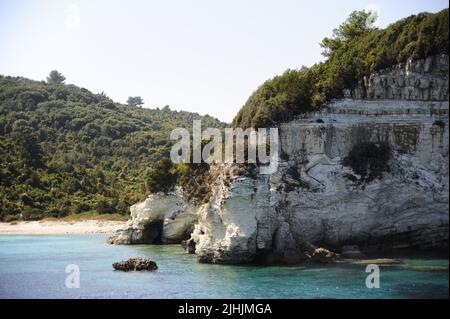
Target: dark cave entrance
{"points": [[152, 232]]}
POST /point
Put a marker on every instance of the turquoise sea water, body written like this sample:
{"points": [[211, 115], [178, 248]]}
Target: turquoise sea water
{"points": [[34, 267]]}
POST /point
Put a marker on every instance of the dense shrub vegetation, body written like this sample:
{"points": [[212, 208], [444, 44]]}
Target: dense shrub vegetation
{"points": [[356, 49], [65, 150], [194, 179]]}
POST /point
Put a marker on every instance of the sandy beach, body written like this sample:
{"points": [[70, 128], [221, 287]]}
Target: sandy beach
{"points": [[60, 227]]}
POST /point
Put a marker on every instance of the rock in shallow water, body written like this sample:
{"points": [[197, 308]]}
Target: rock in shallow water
{"points": [[324, 256], [189, 245], [135, 264]]}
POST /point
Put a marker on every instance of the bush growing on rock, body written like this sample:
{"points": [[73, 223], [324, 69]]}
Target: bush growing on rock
{"points": [[194, 179], [439, 123], [369, 160], [161, 177]]}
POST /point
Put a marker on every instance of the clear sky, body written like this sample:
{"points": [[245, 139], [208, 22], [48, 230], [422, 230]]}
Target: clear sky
{"points": [[205, 56]]}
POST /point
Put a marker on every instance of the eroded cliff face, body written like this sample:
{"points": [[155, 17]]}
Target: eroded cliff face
{"points": [[313, 200], [418, 80], [161, 218]]}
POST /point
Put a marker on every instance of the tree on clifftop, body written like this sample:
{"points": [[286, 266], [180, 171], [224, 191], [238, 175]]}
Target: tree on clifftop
{"points": [[135, 101], [55, 77], [359, 23]]}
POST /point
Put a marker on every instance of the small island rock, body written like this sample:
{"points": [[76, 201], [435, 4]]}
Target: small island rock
{"points": [[135, 264]]}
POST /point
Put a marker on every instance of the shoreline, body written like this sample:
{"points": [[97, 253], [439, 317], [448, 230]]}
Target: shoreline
{"points": [[82, 227], [96, 226]]}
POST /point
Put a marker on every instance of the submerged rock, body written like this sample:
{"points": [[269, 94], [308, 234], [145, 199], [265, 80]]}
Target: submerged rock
{"points": [[135, 264]]}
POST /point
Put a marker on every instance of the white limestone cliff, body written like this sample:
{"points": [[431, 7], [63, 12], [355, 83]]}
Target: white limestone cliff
{"points": [[318, 202], [313, 200]]}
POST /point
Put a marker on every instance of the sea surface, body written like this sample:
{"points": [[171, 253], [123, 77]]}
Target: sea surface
{"points": [[35, 267]]}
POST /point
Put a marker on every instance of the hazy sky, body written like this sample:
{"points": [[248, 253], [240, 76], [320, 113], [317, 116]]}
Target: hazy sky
{"points": [[205, 56]]}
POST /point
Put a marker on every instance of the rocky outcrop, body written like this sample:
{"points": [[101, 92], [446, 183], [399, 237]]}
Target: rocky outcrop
{"points": [[425, 79], [313, 200], [189, 245], [161, 218], [135, 264]]}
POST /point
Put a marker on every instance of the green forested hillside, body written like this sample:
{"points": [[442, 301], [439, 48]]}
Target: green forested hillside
{"points": [[355, 49], [65, 150]]}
